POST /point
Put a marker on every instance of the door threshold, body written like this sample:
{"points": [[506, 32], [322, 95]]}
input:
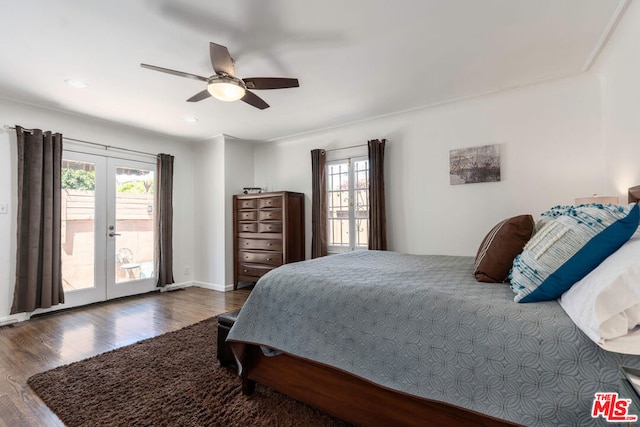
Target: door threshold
{"points": [[93, 304]]}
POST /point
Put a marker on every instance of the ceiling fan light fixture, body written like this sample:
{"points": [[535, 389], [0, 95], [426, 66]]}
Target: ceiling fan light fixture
{"points": [[224, 85], [226, 90]]}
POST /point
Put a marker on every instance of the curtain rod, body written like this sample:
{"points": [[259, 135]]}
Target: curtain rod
{"points": [[350, 146], [106, 147], [346, 148]]}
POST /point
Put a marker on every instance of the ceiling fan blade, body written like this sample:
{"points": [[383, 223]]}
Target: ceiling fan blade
{"points": [[270, 82], [199, 96], [221, 59], [174, 72], [253, 99]]}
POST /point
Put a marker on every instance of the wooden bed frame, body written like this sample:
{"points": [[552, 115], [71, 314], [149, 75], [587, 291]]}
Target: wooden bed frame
{"points": [[346, 396]]}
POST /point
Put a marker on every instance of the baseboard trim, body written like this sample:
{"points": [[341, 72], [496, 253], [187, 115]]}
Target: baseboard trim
{"points": [[14, 318], [213, 287], [176, 286]]}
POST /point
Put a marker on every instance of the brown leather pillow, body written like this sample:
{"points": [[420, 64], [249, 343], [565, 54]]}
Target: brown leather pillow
{"points": [[500, 246]]}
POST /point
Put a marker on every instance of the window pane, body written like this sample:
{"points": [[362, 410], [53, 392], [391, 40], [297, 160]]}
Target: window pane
{"points": [[78, 224], [348, 208], [134, 222], [362, 233], [338, 203], [338, 177], [362, 204], [339, 232], [361, 171]]}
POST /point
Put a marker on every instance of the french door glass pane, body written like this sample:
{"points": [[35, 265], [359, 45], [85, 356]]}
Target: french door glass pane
{"points": [[339, 232], [361, 211], [338, 204], [361, 171], [338, 177], [348, 204], [362, 233], [134, 224], [78, 224]]}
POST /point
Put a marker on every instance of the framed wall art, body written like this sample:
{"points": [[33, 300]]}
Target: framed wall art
{"points": [[474, 164]]}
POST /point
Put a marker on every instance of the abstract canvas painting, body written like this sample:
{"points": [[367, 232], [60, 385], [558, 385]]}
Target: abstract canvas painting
{"points": [[474, 164]]}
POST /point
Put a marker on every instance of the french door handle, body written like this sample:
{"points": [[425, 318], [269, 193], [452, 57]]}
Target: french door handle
{"points": [[113, 234]]}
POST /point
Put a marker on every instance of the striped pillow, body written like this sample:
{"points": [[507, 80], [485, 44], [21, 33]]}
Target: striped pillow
{"points": [[568, 247], [500, 246]]}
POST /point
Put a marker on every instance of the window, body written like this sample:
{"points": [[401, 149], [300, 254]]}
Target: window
{"points": [[348, 204]]}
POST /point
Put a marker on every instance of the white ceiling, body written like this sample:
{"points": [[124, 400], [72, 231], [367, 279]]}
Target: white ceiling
{"points": [[355, 59]]}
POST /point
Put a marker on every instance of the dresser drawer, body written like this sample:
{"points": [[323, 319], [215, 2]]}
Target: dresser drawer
{"points": [[271, 258], [265, 244], [247, 215], [246, 204], [270, 202], [270, 227], [248, 227], [270, 214], [253, 270]]}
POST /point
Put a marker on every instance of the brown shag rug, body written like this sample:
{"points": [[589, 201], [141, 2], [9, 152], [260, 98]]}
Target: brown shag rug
{"points": [[170, 380]]}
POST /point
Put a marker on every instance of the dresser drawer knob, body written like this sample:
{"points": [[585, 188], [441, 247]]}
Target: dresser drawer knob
{"points": [[268, 244], [246, 270], [268, 259]]}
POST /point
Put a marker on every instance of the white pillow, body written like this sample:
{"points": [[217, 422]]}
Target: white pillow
{"points": [[605, 304]]}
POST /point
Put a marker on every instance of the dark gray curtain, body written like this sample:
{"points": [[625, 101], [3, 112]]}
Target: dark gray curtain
{"points": [[377, 211], [38, 255], [318, 203], [164, 220]]}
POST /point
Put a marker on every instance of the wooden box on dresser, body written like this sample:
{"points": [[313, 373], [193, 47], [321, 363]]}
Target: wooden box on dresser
{"points": [[268, 231]]}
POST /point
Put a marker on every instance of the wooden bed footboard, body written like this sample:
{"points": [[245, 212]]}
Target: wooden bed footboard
{"points": [[348, 397]]}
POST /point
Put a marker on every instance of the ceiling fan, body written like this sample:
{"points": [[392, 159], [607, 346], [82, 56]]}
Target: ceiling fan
{"points": [[224, 85]]}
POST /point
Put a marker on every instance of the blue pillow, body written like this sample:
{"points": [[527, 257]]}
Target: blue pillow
{"points": [[574, 242]]}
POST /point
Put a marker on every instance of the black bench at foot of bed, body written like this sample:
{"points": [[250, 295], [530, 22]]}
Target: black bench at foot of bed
{"points": [[225, 322]]}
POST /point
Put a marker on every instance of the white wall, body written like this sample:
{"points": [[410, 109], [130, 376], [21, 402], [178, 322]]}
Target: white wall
{"points": [[209, 212], [223, 166], [619, 68], [79, 127], [239, 173], [551, 148]]}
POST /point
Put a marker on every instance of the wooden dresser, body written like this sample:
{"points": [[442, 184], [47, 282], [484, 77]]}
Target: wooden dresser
{"points": [[268, 230]]}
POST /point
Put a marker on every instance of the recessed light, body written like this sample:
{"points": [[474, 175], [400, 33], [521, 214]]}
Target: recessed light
{"points": [[190, 119], [76, 83]]}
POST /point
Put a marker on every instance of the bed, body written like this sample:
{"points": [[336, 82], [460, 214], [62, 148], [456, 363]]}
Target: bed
{"points": [[383, 338]]}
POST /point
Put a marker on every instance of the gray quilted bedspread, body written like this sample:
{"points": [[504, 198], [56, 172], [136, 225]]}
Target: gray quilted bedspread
{"points": [[423, 325]]}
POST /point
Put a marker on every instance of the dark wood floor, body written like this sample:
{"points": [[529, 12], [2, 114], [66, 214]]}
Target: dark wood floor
{"points": [[42, 343]]}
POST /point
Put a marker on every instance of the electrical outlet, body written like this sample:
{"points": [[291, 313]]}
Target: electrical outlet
{"points": [[187, 270], [4, 208]]}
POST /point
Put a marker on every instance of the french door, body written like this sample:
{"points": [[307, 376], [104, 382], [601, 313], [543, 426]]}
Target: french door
{"points": [[348, 204], [107, 228]]}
